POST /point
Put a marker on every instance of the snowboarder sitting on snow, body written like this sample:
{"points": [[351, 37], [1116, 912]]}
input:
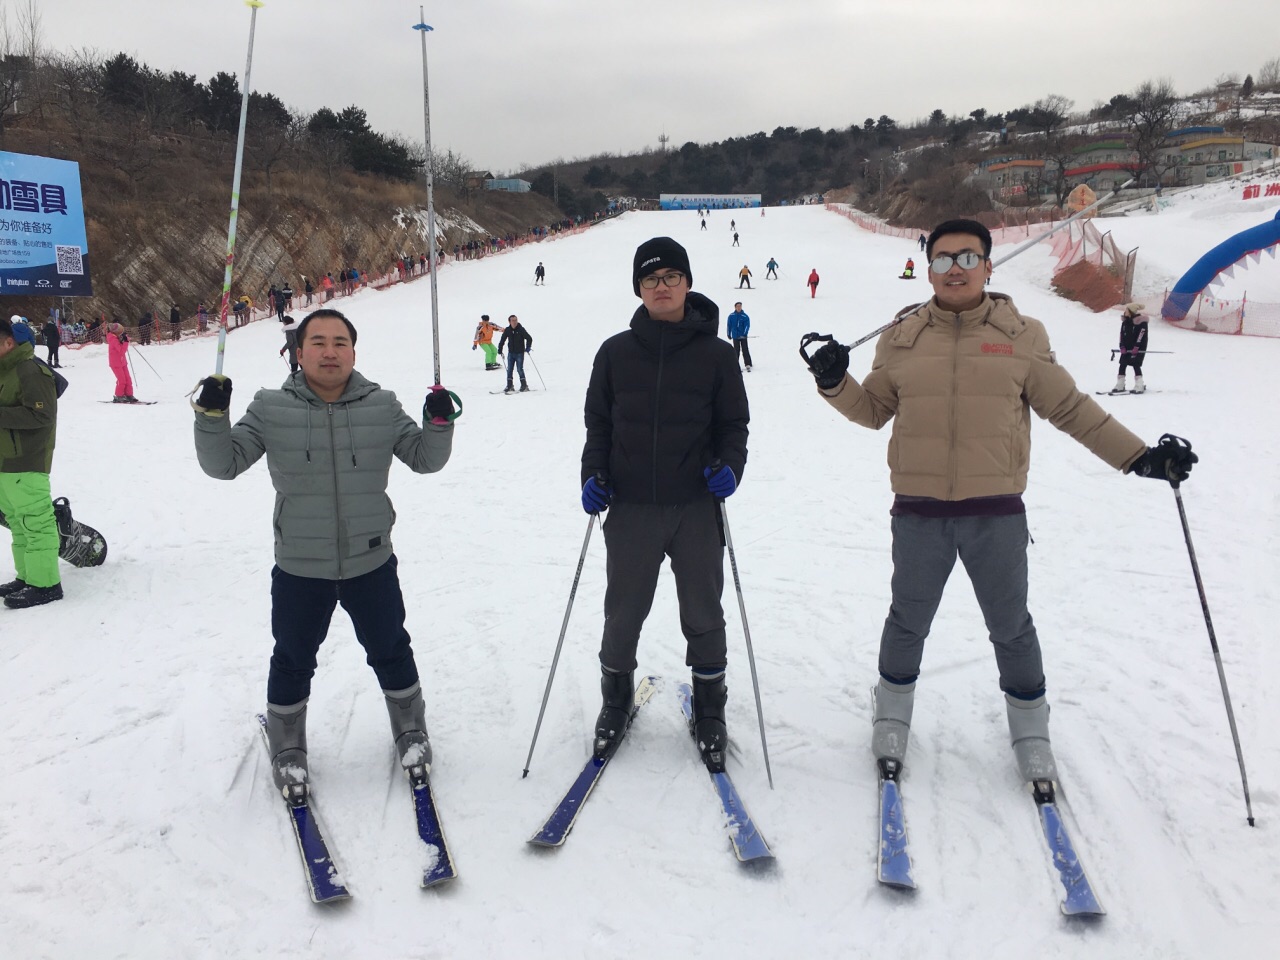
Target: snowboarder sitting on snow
{"points": [[958, 376], [666, 415], [1133, 347], [909, 271], [28, 423], [329, 437]]}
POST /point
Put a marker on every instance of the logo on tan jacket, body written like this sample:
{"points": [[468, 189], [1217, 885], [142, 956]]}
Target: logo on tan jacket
{"points": [[1004, 349]]}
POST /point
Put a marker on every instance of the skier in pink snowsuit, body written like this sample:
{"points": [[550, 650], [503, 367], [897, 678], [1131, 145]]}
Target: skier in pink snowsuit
{"points": [[117, 357]]}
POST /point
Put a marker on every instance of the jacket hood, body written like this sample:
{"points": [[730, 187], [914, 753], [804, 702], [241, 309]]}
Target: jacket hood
{"points": [[701, 316]]}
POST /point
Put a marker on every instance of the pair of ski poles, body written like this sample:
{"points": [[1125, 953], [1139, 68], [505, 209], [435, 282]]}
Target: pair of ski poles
{"points": [[746, 630]]}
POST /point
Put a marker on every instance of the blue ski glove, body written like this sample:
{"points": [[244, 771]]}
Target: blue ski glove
{"points": [[721, 482], [596, 494]]}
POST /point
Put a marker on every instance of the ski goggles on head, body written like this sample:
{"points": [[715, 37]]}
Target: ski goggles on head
{"points": [[967, 260]]}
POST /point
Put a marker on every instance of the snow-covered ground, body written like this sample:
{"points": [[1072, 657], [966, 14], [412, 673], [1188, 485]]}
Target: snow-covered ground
{"points": [[138, 820]]}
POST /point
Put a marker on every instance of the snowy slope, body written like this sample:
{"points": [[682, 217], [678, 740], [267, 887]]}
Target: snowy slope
{"points": [[138, 821]]}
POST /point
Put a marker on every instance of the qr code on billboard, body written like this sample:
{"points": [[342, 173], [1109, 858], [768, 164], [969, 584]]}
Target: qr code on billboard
{"points": [[69, 260]]}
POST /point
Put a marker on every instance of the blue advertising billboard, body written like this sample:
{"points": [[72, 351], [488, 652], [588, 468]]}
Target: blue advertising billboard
{"points": [[43, 246]]}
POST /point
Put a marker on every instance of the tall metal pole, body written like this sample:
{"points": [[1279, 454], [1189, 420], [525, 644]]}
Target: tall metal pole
{"points": [[422, 28], [235, 189]]}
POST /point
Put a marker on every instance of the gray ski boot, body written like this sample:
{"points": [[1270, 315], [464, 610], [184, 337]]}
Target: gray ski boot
{"points": [[891, 723], [1029, 733], [287, 744], [408, 715]]}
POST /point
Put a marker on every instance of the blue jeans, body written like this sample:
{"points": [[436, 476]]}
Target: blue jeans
{"points": [[515, 360], [301, 608]]}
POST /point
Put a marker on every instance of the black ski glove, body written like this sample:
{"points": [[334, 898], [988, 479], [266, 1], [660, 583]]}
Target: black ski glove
{"points": [[215, 393], [829, 364], [1170, 459], [439, 407]]}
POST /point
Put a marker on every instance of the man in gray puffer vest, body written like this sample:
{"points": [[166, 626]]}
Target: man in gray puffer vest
{"points": [[329, 436]]}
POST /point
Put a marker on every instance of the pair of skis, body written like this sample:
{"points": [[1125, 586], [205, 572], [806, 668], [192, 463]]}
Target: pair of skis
{"points": [[324, 881], [748, 843], [894, 860]]}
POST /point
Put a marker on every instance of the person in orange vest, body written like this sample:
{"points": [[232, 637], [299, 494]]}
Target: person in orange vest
{"points": [[484, 340], [813, 283]]}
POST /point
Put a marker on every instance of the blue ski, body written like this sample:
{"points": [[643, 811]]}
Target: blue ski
{"points": [[1079, 899], [557, 826], [439, 866], [748, 843], [893, 860], [323, 880]]}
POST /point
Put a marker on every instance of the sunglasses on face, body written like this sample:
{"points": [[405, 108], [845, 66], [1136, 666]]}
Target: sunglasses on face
{"points": [[967, 260], [670, 279]]}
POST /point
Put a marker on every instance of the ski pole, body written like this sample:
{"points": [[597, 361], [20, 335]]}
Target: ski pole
{"points": [[1114, 352], [746, 630], [147, 362], [1208, 622], [529, 354], [559, 643], [235, 191], [1005, 259]]}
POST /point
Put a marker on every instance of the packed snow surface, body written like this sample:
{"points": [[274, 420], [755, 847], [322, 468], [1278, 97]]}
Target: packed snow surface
{"points": [[139, 819]]}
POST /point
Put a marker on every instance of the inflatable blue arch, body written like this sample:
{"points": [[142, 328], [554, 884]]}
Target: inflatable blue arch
{"points": [[1225, 255]]}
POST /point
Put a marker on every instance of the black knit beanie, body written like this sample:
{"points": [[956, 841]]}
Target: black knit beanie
{"points": [[652, 255]]}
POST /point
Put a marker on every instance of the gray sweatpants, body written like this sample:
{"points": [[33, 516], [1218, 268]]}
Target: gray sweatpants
{"points": [[638, 537], [994, 553]]}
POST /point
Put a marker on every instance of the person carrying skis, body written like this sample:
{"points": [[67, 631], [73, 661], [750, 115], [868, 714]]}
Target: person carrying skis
{"points": [[28, 427], [736, 328], [484, 340], [771, 269], [118, 361], [1133, 347], [539, 274], [517, 341], [813, 283], [959, 376], [744, 276], [666, 417], [329, 436]]}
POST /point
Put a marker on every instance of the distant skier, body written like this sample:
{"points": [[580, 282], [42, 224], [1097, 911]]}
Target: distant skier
{"points": [[290, 330], [771, 269], [733, 225], [744, 276], [118, 361], [704, 223], [909, 271], [1133, 347], [329, 436], [922, 241], [539, 274], [813, 283], [52, 340], [737, 327], [735, 239], [484, 340], [520, 343]]}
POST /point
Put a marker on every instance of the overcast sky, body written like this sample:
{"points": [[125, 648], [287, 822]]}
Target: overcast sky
{"points": [[525, 81]]}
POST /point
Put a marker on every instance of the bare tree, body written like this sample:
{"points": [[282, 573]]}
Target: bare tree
{"points": [[75, 82], [1152, 115], [1049, 113], [1269, 75]]}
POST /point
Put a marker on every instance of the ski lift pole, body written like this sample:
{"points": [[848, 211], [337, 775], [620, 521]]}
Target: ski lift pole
{"points": [[1005, 259], [235, 190]]}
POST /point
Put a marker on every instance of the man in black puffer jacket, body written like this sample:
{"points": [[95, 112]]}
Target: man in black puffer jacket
{"points": [[666, 416]]}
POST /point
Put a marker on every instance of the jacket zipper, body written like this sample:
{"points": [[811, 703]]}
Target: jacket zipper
{"points": [[951, 447], [657, 398], [337, 500]]}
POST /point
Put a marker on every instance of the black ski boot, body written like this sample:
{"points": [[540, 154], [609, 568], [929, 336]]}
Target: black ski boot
{"points": [[524, 387], [619, 693], [709, 728], [30, 596], [12, 587]]}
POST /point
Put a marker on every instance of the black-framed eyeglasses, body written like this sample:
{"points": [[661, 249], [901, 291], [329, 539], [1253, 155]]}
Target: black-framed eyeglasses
{"points": [[967, 260], [669, 279]]}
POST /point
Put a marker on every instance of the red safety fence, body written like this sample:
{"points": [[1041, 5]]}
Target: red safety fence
{"points": [[1207, 314]]}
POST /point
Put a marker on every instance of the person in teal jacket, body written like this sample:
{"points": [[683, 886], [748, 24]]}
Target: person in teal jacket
{"points": [[28, 423]]}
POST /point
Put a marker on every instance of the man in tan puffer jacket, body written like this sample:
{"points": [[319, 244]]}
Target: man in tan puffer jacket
{"points": [[959, 377]]}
